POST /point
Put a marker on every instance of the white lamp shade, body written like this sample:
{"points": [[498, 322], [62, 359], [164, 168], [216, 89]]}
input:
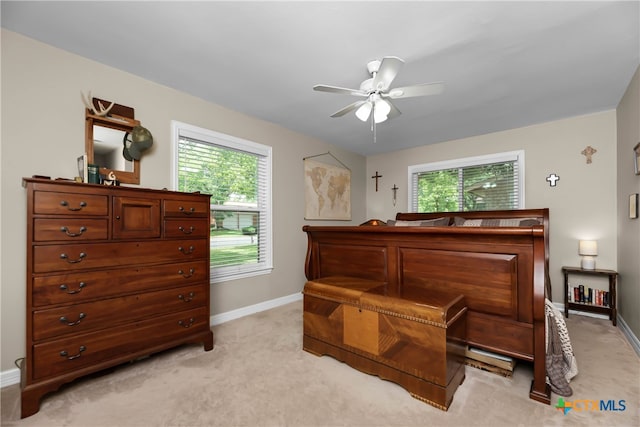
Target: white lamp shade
{"points": [[363, 112], [381, 110], [588, 247]]}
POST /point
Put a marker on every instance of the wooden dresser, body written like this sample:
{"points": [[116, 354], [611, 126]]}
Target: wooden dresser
{"points": [[113, 274]]}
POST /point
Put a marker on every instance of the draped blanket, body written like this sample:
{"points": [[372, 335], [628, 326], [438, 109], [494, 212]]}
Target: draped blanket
{"points": [[560, 361]]}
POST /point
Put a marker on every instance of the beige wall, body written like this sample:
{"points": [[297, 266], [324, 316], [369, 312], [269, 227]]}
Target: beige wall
{"points": [[43, 133], [628, 120], [582, 205]]}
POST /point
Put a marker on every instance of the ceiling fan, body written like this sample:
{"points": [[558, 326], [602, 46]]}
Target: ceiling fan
{"points": [[377, 91]]}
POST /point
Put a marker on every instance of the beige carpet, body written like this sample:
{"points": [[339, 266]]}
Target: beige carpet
{"points": [[257, 375]]}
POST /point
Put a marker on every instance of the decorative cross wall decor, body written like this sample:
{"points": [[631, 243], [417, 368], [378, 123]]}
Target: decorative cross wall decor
{"points": [[588, 152], [553, 179], [376, 176], [395, 190]]}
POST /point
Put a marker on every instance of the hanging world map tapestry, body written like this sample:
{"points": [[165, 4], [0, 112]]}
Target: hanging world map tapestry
{"points": [[327, 191]]}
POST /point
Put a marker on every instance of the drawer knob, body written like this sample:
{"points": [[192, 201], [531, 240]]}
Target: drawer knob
{"points": [[188, 298], [64, 353], [65, 289], [64, 320], [189, 212], [70, 234], [186, 324], [186, 276], [66, 204], [186, 251], [73, 261], [191, 229]]}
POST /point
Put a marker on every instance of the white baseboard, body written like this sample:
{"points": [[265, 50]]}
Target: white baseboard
{"points": [[252, 309], [12, 376], [633, 340]]}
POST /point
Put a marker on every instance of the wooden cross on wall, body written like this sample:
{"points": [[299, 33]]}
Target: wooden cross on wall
{"points": [[588, 152], [376, 176]]}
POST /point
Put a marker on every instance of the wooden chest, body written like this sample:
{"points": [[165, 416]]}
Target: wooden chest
{"points": [[416, 339], [113, 274]]}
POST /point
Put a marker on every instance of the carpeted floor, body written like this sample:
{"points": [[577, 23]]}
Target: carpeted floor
{"points": [[257, 375]]}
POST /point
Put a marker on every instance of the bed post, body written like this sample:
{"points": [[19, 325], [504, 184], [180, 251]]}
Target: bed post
{"points": [[540, 390]]}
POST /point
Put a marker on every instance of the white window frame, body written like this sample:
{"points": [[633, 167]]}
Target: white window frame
{"points": [[508, 156], [179, 129]]}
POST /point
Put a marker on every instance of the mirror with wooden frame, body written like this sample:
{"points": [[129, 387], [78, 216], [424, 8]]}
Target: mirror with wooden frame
{"points": [[104, 141]]}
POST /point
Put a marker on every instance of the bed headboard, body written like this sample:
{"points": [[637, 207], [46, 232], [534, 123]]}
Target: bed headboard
{"points": [[455, 218]]}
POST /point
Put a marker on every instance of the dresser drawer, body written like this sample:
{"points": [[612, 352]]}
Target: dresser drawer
{"points": [[57, 203], [92, 348], [186, 227], [106, 313], [85, 285], [186, 208], [69, 229], [80, 256]]}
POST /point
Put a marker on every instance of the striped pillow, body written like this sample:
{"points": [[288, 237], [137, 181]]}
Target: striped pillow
{"points": [[437, 222], [500, 222]]}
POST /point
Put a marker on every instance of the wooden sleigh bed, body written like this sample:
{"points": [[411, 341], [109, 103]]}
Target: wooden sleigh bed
{"points": [[498, 260]]}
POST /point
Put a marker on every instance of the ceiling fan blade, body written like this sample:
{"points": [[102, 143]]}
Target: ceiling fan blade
{"points": [[389, 67], [336, 89], [416, 90], [347, 109]]}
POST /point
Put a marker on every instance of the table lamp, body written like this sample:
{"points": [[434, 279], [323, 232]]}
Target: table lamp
{"points": [[588, 249]]}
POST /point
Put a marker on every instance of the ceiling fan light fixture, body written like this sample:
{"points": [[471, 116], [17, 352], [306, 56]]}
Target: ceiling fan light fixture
{"points": [[382, 109], [379, 118], [364, 111]]}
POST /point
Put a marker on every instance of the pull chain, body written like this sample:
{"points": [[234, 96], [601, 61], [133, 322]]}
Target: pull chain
{"points": [[373, 122]]}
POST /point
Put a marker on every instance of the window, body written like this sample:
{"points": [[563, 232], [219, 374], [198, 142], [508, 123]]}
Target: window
{"points": [[489, 182], [237, 174]]}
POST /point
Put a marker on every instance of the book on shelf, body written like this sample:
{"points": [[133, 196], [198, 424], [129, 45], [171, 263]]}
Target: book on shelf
{"points": [[585, 295]]}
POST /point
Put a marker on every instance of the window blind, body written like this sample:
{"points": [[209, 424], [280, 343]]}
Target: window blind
{"points": [[236, 174], [485, 183]]}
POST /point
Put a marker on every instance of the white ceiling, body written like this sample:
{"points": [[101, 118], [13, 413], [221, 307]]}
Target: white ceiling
{"points": [[505, 64]]}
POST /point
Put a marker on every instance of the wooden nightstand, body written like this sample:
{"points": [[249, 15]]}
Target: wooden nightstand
{"points": [[593, 308]]}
